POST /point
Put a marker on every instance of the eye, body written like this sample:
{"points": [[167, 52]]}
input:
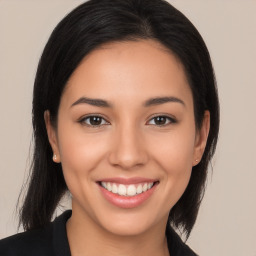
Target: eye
{"points": [[93, 121], [161, 120]]}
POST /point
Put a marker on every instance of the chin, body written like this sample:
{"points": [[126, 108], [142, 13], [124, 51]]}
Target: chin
{"points": [[128, 228], [131, 222]]}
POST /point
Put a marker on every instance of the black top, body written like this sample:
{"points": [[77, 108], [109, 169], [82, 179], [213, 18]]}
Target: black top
{"points": [[52, 241]]}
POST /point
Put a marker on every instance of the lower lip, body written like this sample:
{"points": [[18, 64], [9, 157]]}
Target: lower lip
{"points": [[127, 201]]}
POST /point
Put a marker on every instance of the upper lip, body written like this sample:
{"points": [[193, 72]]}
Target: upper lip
{"points": [[127, 181]]}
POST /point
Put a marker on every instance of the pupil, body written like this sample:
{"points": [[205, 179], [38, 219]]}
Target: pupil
{"points": [[95, 120], [160, 120]]}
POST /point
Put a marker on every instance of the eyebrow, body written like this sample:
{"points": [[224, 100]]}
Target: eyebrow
{"points": [[103, 103], [94, 102], [162, 100]]}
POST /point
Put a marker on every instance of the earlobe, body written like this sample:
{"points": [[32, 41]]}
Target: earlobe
{"points": [[52, 137], [201, 138]]}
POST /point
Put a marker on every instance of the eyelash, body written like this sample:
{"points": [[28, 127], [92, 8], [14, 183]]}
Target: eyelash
{"points": [[170, 120], [83, 121]]}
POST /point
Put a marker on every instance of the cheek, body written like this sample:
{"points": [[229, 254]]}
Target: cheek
{"points": [[174, 151], [78, 151], [80, 154]]}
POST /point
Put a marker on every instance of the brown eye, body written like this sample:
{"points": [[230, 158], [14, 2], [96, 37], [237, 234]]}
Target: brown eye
{"points": [[93, 121], [161, 120]]}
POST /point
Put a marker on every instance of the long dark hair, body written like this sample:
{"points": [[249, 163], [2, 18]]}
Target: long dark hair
{"points": [[87, 27]]}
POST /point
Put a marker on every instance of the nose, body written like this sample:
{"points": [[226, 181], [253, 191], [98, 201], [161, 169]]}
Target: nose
{"points": [[128, 149]]}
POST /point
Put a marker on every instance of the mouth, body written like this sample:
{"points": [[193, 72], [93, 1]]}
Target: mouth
{"points": [[127, 193], [127, 189]]}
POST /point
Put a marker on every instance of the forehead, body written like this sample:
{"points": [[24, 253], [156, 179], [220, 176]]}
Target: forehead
{"points": [[129, 70]]}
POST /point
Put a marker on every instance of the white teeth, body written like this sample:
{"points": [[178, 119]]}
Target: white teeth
{"points": [[139, 189], [109, 187], [104, 184], [131, 190], [150, 185], [145, 187], [127, 190], [121, 190], [114, 188]]}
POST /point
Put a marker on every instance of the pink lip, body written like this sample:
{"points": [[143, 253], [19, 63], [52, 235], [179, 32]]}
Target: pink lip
{"points": [[127, 201], [127, 181]]}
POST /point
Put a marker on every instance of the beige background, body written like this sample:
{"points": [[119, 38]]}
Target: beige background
{"points": [[226, 223]]}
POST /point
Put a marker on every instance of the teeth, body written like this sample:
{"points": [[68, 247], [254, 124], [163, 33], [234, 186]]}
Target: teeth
{"points": [[114, 188], [150, 185], [109, 187], [145, 187], [121, 190], [127, 190], [139, 189], [104, 184], [131, 190]]}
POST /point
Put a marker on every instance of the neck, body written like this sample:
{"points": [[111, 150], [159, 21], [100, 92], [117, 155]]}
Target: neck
{"points": [[86, 238]]}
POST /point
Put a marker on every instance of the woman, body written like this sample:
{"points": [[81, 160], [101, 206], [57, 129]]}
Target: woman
{"points": [[125, 118]]}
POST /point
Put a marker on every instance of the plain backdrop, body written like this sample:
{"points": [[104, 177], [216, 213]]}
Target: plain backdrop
{"points": [[226, 223]]}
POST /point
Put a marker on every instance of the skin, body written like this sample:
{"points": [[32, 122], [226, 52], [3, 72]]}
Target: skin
{"points": [[129, 142]]}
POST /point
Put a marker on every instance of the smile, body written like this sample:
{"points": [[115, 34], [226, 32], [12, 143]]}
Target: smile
{"points": [[127, 190], [127, 193]]}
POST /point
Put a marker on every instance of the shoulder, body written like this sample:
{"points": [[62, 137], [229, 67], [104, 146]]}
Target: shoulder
{"points": [[40, 242], [176, 246], [35, 242]]}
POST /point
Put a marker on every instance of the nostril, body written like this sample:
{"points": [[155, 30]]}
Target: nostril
{"points": [[127, 159], [127, 151]]}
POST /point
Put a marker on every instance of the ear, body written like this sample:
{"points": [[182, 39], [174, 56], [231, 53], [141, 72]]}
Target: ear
{"points": [[201, 138], [52, 136]]}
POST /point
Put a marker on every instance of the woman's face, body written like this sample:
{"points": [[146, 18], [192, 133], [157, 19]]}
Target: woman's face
{"points": [[126, 136]]}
